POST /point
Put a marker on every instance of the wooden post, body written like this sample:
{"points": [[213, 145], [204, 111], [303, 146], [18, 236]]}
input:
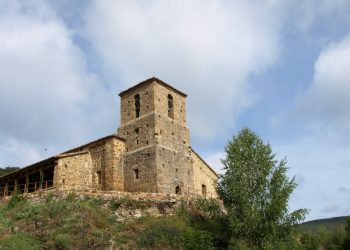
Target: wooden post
{"points": [[26, 187], [6, 189], [41, 177], [15, 189]]}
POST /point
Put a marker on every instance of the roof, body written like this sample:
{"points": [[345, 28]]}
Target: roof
{"points": [[98, 140], [63, 154], [152, 79], [30, 166], [217, 175]]}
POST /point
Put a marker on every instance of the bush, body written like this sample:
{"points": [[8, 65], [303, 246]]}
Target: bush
{"points": [[29, 212], [162, 234], [309, 242], [5, 223], [62, 241], [199, 240], [14, 201], [50, 197]]}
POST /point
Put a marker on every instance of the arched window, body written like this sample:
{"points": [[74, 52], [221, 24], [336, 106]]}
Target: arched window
{"points": [[170, 106], [177, 190], [136, 174], [137, 105]]}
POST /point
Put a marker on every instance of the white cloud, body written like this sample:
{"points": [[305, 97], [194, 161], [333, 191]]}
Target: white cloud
{"points": [[323, 107], [45, 89], [310, 14], [343, 190], [320, 167], [205, 48]]}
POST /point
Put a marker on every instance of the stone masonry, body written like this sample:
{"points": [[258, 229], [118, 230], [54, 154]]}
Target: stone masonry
{"points": [[150, 152]]}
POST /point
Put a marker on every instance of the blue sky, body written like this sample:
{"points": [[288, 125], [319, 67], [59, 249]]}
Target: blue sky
{"points": [[278, 67]]}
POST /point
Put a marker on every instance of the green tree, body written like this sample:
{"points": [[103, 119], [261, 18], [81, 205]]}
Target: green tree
{"points": [[255, 190], [8, 170]]}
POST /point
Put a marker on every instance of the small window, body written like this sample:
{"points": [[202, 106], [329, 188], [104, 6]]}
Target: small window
{"points": [[136, 174], [99, 177], [137, 105], [176, 170], [170, 106], [177, 190], [204, 190], [137, 130]]}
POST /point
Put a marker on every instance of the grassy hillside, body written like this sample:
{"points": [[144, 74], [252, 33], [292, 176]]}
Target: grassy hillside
{"points": [[330, 224], [91, 223], [77, 222]]}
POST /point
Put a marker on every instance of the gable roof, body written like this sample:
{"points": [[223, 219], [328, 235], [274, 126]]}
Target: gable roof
{"points": [[152, 79]]}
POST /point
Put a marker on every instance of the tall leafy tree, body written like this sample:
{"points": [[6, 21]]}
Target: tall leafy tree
{"points": [[255, 190]]}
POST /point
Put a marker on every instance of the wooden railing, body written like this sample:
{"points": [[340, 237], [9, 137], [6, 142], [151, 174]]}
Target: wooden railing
{"points": [[25, 188]]}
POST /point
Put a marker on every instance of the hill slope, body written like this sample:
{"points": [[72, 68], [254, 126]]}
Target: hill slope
{"points": [[329, 223]]}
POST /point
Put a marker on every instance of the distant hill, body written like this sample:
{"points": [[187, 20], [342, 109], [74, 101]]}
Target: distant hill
{"points": [[329, 224], [7, 170]]}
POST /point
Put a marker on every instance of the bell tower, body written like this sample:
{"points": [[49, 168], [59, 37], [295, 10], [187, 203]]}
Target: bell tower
{"points": [[157, 149]]}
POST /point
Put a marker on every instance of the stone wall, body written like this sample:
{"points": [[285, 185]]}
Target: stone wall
{"points": [[140, 170], [161, 93], [127, 112], [157, 144], [174, 169], [73, 171], [136, 204], [97, 165], [204, 178]]}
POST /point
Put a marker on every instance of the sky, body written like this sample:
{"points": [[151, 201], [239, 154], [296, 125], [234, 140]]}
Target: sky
{"points": [[279, 67]]}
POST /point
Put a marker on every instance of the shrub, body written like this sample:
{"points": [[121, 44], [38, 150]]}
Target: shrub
{"points": [[309, 241], [72, 196], [14, 201], [29, 212], [160, 235], [5, 223], [62, 241], [195, 239], [50, 196]]}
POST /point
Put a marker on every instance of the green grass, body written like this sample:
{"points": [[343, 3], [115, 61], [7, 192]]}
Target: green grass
{"points": [[20, 241], [91, 223]]}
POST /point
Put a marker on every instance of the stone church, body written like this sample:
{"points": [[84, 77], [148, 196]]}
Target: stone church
{"points": [[150, 152]]}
